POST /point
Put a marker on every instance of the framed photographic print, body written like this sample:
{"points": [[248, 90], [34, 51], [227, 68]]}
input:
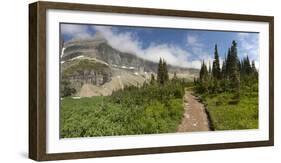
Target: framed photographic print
{"points": [[112, 81]]}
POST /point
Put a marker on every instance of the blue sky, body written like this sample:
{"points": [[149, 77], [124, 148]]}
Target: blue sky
{"points": [[181, 47]]}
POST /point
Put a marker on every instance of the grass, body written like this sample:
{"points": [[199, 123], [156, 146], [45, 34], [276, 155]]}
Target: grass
{"points": [[130, 111], [153, 109], [227, 116]]}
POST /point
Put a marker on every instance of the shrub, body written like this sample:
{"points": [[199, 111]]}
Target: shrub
{"points": [[154, 108], [66, 89]]}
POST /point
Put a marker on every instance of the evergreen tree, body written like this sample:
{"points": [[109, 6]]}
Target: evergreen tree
{"points": [[203, 71], [223, 70], [204, 77], [227, 65], [165, 71], [239, 64], [195, 80], [216, 64], [254, 70], [160, 72], [248, 68], [66, 88], [242, 67], [152, 80], [234, 75], [223, 76]]}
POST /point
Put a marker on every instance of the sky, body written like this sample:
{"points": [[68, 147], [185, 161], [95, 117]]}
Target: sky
{"points": [[179, 47]]}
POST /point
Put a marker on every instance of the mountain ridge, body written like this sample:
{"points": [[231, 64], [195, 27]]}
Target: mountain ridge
{"points": [[93, 67]]}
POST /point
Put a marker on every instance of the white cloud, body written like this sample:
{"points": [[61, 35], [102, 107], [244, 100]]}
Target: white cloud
{"points": [[174, 55], [125, 41], [75, 31], [198, 50], [248, 45], [193, 41], [196, 64], [128, 42]]}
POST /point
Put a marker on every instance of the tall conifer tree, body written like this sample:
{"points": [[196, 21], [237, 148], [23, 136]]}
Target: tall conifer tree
{"points": [[247, 65], [254, 70], [216, 64], [227, 65], [234, 71], [223, 70], [160, 72], [204, 77], [165, 71]]}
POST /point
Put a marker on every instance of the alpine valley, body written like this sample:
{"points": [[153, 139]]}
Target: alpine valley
{"points": [[94, 68]]}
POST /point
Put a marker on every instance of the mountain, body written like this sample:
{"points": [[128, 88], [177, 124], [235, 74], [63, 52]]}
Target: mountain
{"points": [[99, 49], [95, 68]]}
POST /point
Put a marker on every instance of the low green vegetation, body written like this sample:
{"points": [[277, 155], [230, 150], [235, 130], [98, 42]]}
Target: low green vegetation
{"points": [[153, 108], [226, 115], [230, 93]]}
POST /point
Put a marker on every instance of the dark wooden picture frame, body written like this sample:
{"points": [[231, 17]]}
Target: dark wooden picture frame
{"points": [[37, 79]]}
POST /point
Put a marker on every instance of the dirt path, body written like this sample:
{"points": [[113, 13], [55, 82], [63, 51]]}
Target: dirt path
{"points": [[195, 117]]}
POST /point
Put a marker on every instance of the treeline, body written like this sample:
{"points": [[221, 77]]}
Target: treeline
{"points": [[227, 77]]}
